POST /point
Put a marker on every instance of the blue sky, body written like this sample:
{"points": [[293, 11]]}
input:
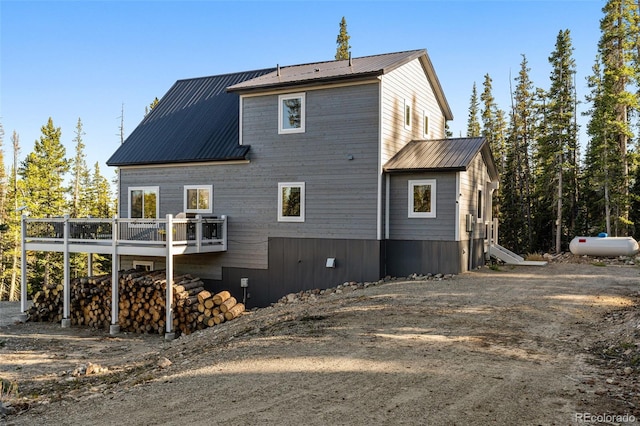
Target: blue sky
{"points": [[86, 59]]}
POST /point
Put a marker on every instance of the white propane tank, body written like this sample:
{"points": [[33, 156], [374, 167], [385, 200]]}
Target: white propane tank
{"points": [[604, 246]]}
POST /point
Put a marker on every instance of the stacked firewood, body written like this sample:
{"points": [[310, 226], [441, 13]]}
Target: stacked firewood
{"points": [[141, 303], [47, 304], [218, 308]]}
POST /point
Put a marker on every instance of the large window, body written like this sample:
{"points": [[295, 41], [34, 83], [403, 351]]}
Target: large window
{"points": [[291, 113], [422, 198], [198, 199], [143, 202], [291, 202]]}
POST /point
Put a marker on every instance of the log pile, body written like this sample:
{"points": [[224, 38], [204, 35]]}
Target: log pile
{"points": [[141, 303]]}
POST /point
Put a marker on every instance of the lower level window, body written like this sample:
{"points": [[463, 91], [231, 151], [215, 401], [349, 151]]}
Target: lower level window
{"points": [[143, 265], [291, 202], [422, 198]]}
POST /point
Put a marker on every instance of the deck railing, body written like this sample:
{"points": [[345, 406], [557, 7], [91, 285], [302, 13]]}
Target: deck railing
{"points": [[197, 232]]}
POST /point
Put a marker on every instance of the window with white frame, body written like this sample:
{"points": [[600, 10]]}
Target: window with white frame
{"points": [[291, 202], [425, 125], [422, 198], [144, 202], [143, 265], [407, 114], [480, 212], [198, 198], [291, 113]]}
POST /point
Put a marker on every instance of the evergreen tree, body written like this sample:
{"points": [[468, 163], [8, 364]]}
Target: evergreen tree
{"points": [[473, 125], [14, 231], [557, 152], [493, 123], [618, 51], [342, 41], [43, 173], [80, 173], [518, 204], [151, 106]]}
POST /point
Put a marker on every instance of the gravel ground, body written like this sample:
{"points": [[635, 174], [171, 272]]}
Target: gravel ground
{"points": [[529, 346]]}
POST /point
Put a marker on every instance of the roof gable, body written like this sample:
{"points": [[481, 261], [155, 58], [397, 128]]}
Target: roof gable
{"points": [[195, 121], [442, 155]]}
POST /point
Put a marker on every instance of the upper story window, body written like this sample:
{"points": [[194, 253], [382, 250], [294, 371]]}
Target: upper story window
{"points": [[291, 202], [407, 114], [422, 198], [144, 202], [198, 198], [291, 113], [480, 204], [425, 125]]}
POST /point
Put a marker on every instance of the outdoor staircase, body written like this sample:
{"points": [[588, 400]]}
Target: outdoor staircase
{"points": [[510, 258]]}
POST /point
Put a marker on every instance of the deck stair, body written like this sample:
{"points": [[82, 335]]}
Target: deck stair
{"points": [[510, 258]]}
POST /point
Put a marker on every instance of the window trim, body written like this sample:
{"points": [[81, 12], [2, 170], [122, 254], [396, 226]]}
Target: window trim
{"points": [[281, 217], [281, 98], [425, 124], [481, 204], [155, 189], [407, 115], [418, 182], [198, 187], [145, 263]]}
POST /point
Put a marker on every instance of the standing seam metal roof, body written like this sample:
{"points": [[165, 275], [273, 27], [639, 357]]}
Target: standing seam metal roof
{"points": [[195, 121], [441, 155]]}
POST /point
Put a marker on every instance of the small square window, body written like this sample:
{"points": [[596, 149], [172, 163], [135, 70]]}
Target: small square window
{"points": [[422, 198], [291, 113], [407, 114], [291, 202], [198, 199]]}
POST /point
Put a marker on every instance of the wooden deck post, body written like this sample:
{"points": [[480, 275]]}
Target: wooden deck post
{"points": [[114, 328], [66, 301], [169, 335]]}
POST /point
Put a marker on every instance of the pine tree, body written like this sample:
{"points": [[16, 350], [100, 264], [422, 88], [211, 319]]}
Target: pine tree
{"points": [[79, 170], [15, 229], [473, 125], [43, 173], [618, 50], [343, 48], [518, 203], [557, 151], [151, 106]]}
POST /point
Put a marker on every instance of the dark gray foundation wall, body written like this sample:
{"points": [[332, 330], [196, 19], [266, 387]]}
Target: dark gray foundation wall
{"points": [[298, 264]]}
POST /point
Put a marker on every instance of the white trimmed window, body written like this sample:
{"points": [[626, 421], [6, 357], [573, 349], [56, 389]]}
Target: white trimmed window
{"points": [[291, 113], [291, 202], [425, 125], [198, 198], [144, 202], [143, 265], [407, 114], [480, 200], [422, 198]]}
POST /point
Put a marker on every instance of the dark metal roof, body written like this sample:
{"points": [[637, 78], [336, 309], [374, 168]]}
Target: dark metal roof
{"points": [[357, 68], [196, 120], [441, 155]]}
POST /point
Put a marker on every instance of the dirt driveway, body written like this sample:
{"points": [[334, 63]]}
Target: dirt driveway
{"points": [[528, 346]]}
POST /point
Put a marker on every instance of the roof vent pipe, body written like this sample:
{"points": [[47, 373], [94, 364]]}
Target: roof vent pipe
{"points": [[278, 70], [350, 62]]}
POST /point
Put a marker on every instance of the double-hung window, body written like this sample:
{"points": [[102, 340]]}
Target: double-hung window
{"points": [[422, 198], [291, 202], [144, 202], [198, 199], [291, 113]]}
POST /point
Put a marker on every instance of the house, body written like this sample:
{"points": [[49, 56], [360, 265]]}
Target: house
{"points": [[291, 178], [326, 172]]}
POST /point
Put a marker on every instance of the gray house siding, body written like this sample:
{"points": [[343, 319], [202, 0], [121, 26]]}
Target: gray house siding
{"points": [[440, 228], [340, 202]]}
